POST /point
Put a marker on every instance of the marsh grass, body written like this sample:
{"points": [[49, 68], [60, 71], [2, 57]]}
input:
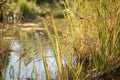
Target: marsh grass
{"points": [[93, 32], [69, 70], [56, 48], [91, 36]]}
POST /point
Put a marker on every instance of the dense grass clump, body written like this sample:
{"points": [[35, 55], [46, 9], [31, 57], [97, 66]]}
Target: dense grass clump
{"points": [[94, 36]]}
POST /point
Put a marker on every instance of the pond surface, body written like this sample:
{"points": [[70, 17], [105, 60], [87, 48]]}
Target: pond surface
{"points": [[34, 69]]}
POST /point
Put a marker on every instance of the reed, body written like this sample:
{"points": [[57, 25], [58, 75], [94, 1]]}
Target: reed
{"points": [[93, 32], [56, 48]]}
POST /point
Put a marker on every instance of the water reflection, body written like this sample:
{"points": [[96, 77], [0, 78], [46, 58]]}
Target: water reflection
{"points": [[34, 69]]}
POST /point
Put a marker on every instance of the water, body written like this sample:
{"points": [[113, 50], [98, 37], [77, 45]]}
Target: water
{"points": [[35, 69]]}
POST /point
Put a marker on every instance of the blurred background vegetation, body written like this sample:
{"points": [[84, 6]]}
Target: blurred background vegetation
{"points": [[31, 8]]}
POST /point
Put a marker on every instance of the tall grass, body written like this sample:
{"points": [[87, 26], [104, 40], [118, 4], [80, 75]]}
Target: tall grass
{"points": [[56, 48], [108, 34], [93, 33], [70, 70]]}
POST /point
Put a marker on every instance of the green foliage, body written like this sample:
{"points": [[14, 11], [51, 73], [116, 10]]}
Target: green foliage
{"points": [[27, 8]]}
